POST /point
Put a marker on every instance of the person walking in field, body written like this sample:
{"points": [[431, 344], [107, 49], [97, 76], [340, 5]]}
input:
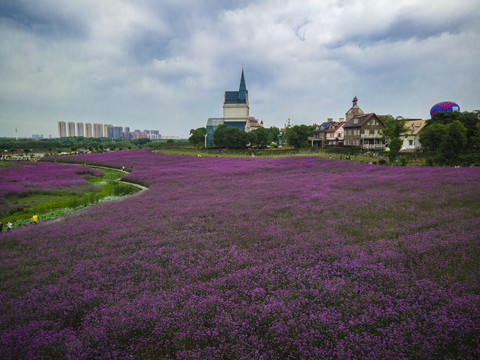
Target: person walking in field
{"points": [[1, 227], [35, 219], [9, 226]]}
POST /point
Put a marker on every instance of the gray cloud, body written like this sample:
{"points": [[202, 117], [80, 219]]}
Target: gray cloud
{"points": [[166, 64]]}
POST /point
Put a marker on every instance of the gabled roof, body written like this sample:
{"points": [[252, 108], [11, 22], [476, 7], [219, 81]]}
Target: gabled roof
{"points": [[361, 120], [414, 126], [335, 126], [323, 127], [253, 122]]}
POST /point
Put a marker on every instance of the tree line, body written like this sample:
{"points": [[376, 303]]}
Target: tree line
{"points": [[73, 144]]}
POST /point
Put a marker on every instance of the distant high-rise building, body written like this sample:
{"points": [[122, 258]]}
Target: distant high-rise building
{"points": [[71, 129], [114, 132], [88, 130], [97, 130], [105, 129], [80, 129], [137, 134], [62, 129], [126, 133]]}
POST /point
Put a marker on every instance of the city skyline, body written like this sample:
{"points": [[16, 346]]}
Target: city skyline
{"points": [[104, 130], [166, 65]]}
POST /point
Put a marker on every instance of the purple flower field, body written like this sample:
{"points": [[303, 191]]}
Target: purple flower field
{"points": [[42, 176], [252, 258]]}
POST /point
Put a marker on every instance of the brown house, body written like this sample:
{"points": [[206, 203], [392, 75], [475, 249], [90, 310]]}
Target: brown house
{"points": [[364, 131]]}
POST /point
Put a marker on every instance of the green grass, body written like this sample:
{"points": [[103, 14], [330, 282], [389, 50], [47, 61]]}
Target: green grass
{"points": [[53, 204]]}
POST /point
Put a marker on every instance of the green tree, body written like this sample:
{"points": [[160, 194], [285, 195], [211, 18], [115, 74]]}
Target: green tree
{"points": [[229, 136], [470, 120], [141, 141], [297, 135], [273, 133], [454, 142], [262, 137], [432, 136], [394, 126], [197, 136], [395, 145], [252, 138]]}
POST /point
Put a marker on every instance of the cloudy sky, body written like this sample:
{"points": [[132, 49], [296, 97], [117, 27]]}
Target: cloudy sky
{"points": [[165, 64]]}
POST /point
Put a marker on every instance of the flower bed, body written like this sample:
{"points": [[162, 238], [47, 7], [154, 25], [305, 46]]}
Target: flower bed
{"points": [[42, 176], [250, 258]]}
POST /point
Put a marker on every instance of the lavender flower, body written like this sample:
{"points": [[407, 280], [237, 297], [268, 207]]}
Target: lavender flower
{"points": [[244, 258]]}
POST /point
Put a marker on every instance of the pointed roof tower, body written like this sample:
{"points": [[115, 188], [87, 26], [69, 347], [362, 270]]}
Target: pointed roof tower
{"points": [[242, 90]]}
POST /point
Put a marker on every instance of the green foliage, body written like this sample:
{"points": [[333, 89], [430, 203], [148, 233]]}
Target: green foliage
{"points": [[394, 127], [273, 133], [230, 137], [141, 141], [431, 137], [395, 145], [297, 136], [470, 120], [252, 138], [454, 142], [197, 136]]}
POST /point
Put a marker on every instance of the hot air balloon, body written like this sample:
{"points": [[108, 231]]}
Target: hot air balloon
{"points": [[444, 106]]}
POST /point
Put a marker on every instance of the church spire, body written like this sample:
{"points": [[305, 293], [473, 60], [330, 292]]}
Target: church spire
{"points": [[242, 90]]}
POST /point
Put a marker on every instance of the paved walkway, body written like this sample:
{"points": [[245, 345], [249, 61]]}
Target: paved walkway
{"points": [[141, 187], [75, 213]]}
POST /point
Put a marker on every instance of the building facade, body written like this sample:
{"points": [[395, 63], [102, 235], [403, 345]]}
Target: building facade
{"points": [[364, 131], [318, 138], [71, 129], [114, 132], [88, 130], [334, 135], [80, 129], [97, 130], [62, 129], [411, 137]]}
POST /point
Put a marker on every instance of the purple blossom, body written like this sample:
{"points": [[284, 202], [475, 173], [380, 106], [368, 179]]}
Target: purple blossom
{"points": [[245, 258]]}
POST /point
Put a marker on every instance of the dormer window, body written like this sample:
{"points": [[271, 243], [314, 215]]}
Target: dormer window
{"points": [[413, 127], [355, 121]]}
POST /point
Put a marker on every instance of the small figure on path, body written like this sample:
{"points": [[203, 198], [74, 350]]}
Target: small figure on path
{"points": [[35, 219], [1, 227], [123, 168], [9, 226]]}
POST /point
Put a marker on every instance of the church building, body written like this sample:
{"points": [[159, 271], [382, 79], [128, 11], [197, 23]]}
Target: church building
{"points": [[236, 112]]}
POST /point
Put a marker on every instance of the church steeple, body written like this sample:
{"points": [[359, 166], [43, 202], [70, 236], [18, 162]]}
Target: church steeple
{"points": [[242, 90]]}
